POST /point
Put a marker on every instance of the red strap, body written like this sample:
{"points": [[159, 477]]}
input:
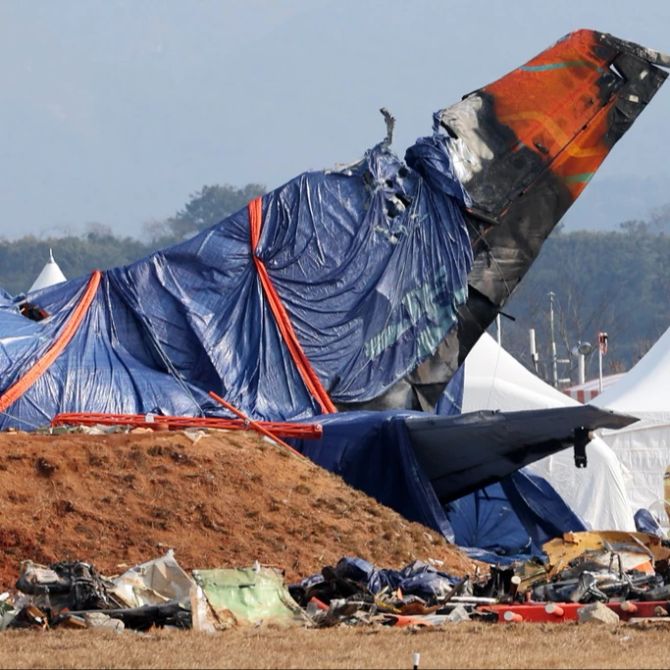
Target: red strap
{"points": [[289, 429], [281, 316], [14, 392], [255, 424]]}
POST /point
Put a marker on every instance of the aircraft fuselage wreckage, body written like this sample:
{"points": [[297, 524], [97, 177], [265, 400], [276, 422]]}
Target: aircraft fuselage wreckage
{"points": [[357, 287]]}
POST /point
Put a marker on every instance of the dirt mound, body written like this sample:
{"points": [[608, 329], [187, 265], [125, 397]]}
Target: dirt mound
{"points": [[227, 500]]}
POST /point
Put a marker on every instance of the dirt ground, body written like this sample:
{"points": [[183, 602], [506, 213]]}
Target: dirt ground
{"points": [[454, 646], [225, 501]]}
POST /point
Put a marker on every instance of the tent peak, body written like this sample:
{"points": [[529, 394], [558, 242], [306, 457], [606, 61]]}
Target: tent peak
{"points": [[51, 274]]}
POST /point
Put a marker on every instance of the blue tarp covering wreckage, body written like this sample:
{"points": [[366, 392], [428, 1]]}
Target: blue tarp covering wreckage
{"points": [[430, 470], [386, 270], [361, 287], [370, 294]]}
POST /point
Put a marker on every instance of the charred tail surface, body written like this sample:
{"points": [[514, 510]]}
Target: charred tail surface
{"points": [[525, 147]]}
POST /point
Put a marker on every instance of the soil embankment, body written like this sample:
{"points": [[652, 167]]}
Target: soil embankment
{"points": [[227, 500]]}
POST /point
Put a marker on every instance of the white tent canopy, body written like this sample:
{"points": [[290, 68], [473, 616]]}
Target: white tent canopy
{"points": [[50, 275], [644, 447], [589, 390], [643, 391], [494, 380]]}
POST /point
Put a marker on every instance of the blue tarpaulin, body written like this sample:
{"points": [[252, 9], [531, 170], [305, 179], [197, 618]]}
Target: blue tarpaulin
{"points": [[486, 520], [512, 518], [418, 578], [370, 263], [541, 510], [377, 452], [372, 451]]}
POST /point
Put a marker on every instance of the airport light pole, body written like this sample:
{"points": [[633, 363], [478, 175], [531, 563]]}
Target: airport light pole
{"points": [[554, 365], [602, 350]]}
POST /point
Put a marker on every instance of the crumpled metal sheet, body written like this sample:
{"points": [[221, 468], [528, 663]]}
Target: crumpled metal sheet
{"points": [[524, 147], [155, 582], [638, 549], [598, 565], [223, 598]]}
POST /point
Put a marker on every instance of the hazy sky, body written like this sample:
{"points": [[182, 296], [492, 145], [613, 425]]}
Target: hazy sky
{"points": [[113, 111]]}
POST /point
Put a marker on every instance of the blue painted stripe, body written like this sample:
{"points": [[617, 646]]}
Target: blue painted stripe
{"points": [[583, 177], [560, 65]]}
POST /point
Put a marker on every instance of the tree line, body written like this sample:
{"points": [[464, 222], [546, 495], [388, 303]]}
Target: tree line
{"points": [[616, 281], [21, 260]]}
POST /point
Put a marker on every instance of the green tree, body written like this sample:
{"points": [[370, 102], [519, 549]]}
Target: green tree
{"points": [[207, 207]]}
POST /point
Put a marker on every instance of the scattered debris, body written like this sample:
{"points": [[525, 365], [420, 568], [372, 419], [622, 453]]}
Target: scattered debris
{"points": [[591, 567], [98, 620], [154, 583], [66, 585], [603, 578], [160, 593]]}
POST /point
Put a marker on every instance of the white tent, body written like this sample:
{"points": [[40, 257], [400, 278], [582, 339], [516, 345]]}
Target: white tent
{"points": [[495, 380], [643, 391], [589, 390], [644, 447], [51, 274]]}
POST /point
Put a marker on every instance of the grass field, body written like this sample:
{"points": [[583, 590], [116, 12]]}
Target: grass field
{"points": [[455, 646]]}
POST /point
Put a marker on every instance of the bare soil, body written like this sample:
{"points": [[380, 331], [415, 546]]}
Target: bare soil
{"points": [[227, 500], [453, 646]]}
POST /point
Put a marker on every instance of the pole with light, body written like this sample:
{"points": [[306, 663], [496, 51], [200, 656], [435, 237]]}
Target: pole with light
{"points": [[602, 350]]}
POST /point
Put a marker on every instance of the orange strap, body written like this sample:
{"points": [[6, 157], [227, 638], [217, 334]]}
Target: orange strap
{"points": [[301, 431], [281, 316], [14, 392], [254, 424]]}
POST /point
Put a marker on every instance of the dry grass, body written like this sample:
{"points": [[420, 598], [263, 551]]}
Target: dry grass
{"points": [[455, 646]]}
